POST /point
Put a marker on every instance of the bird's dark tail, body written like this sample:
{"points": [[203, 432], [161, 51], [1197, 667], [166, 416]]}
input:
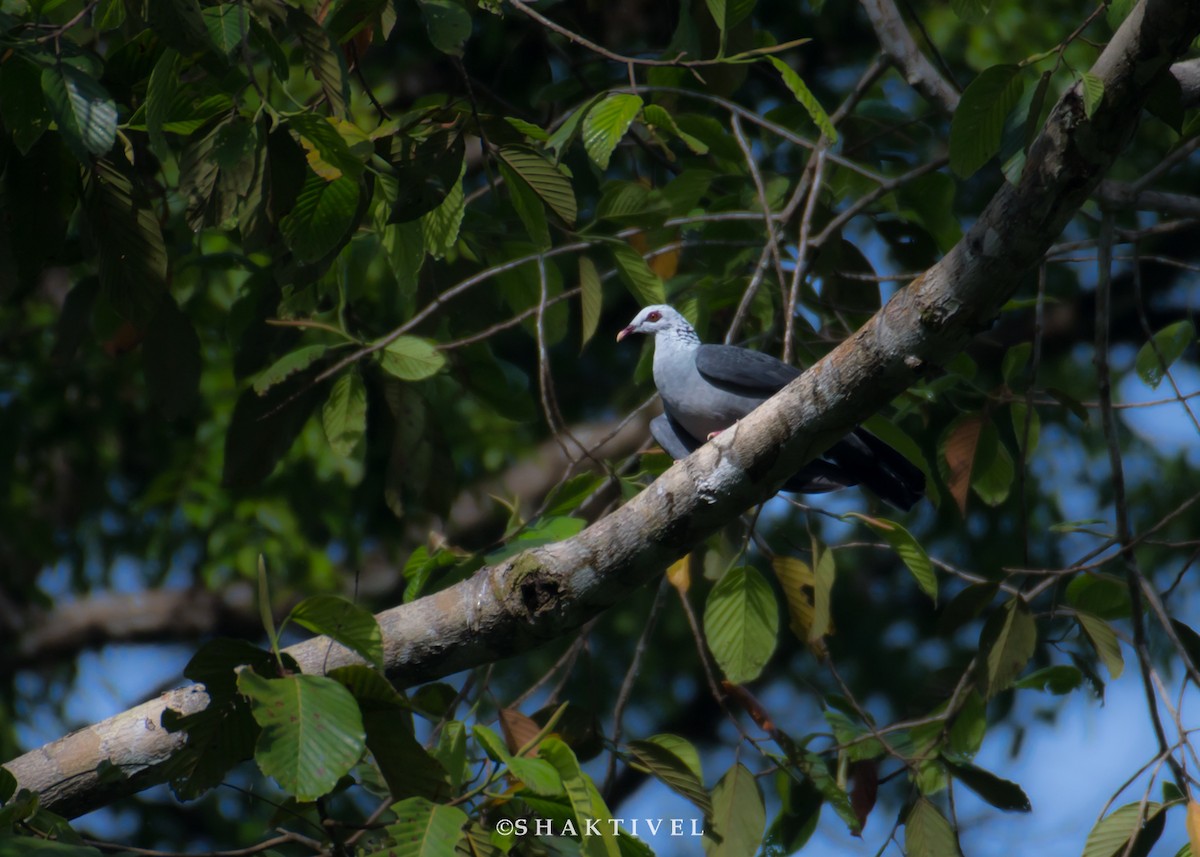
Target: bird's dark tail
{"points": [[859, 458], [878, 467]]}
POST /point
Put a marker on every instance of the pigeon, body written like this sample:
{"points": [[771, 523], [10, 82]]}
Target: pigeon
{"points": [[705, 389]]}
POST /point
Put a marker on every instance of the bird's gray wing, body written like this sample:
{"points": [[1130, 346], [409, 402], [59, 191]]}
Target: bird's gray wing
{"points": [[740, 370], [671, 436]]}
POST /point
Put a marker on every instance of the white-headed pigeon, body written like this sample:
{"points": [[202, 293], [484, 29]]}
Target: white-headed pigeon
{"points": [[707, 388]]}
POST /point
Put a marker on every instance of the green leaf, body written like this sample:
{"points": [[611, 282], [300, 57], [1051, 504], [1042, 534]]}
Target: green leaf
{"points": [[405, 248], [927, 833], [657, 116], [128, 239], [171, 361], [1020, 415], [288, 365], [1104, 640], [323, 58], [853, 739], [908, 549], [1111, 834], [1099, 594], [84, 111], [110, 14], [1015, 364], [264, 427], [448, 24], [1093, 93], [528, 206], [605, 125], [565, 133], [971, 11], [22, 103], [411, 358], [1000, 793], [343, 621], [586, 804], [180, 24], [329, 154], [741, 622], [353, 16], [969, 727], [491, 743], [643, 283], [1059, 679], [160, 96], [1189, 640], [590, 298], [537, 775], [406, 766], [544, 178], [682, 749], [8, 785], [823, 575], [1156, 356], [738, 816], [993, 471], [1008, 641], [344, 415], [440, 226], [533, 132], [312, 731], [425, 829], [672, 771], [978, 124], [323, 214], [228, 25], [451, 752], [807, 100], [729, 13]]}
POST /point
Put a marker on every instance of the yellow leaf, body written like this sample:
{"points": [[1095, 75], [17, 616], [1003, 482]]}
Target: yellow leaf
{"points": [[665, 264], [680, 574], [1193, 825]]}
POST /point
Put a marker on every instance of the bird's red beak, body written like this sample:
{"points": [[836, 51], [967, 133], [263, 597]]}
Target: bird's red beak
{"points": [[625, 333]]}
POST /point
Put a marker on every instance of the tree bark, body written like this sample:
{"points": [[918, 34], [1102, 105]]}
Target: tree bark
{"points": [[548, 591]]}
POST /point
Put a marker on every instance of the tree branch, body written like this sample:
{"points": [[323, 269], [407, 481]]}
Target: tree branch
{"points": [[901, 47], [548, 591]]}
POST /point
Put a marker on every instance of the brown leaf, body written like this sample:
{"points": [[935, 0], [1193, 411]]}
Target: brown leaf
{"points": [[750, 705], [518, 730], [960, 457], [864, 790]]}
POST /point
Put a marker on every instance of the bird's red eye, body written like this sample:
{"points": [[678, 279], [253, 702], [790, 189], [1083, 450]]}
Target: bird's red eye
{"points": [[654, 316]]}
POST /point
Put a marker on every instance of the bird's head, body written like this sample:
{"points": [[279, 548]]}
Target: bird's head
{"points": [[656, 319]]}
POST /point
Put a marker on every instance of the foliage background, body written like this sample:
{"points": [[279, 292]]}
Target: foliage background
{"points": [[209, 208]]}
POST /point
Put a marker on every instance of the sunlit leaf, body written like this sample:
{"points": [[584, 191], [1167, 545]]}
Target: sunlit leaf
{"points": [[908, 549], [605, 125], [411, 358], [426, 829], [927, 833], [738, 815], [807, 100], [741, 622], [312, 732]]}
